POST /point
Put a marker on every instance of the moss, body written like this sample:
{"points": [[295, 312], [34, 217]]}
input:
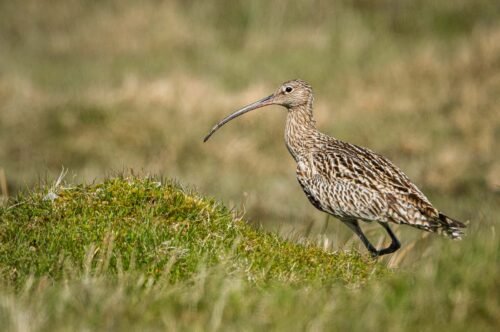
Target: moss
{"points": [[145, 226]]}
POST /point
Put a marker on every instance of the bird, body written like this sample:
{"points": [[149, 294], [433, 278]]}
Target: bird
{"points": [[347, 181]]}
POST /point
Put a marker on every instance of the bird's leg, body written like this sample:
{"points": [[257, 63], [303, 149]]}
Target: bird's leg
{"points": [[395, 245], [354, 225]]}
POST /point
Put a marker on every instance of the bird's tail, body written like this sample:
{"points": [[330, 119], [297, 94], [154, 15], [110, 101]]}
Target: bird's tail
{"points": [[449, 227]]}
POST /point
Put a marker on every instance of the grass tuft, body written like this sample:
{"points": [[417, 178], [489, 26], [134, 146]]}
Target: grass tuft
{"points": [[155, 229]]}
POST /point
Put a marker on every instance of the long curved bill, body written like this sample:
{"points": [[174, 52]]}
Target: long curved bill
{"points": [[258, 104]]}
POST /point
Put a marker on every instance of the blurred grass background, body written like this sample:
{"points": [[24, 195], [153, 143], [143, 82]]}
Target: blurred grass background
{"points": [[106, 86], [102, 87]]}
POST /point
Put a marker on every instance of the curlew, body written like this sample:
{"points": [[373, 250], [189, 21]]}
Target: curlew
{"points": [[347, 181]]}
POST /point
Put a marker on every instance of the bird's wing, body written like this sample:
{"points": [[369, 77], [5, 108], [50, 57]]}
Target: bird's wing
{"points": [[358, 183], [339, 194], [372, 165]]}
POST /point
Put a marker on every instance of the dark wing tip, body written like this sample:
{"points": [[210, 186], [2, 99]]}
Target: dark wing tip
{"points": [[451, 222]]}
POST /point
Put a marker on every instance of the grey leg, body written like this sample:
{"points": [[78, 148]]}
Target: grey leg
{"points": [[395, 245], [354, 225]]}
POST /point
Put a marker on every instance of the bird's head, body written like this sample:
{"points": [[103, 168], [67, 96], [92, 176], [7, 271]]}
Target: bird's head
{"points": [[290, 94]]}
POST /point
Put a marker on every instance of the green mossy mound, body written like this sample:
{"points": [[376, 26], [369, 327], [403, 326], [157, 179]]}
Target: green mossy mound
{"points": [[155, 229]]}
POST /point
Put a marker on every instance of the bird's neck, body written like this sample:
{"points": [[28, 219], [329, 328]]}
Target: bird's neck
{"points": [[300, 130]]}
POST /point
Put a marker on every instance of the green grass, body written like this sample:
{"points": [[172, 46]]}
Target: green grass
{"points": [[138, 253], [131, 243], [147, 227]]}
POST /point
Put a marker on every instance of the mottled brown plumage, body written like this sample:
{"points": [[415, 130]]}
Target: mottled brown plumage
{"points": [[347, 181]]}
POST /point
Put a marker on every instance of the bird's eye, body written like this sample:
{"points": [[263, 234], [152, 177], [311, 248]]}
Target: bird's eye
{"points": [[288, 89]]}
